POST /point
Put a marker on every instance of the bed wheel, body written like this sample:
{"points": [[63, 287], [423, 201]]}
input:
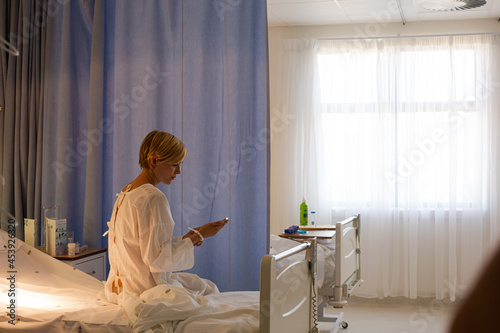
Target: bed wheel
{"points": [[344, 324]]}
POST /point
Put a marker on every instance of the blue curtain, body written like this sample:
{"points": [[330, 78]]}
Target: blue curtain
{"points": [[197, 69], [224, 125]]}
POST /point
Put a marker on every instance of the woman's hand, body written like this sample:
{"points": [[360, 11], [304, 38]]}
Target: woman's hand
{"points": [[212, 228], [206, 230]]}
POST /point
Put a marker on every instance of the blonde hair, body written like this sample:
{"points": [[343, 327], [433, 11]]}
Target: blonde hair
{"points": [[163, 145]]}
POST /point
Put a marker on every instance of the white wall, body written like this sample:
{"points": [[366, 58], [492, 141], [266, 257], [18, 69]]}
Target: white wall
{"points": [[372, 29]]}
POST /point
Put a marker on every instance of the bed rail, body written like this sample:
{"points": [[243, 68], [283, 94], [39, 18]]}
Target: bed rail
{"points": [[291, 252], [286, 294], [347, 262]]}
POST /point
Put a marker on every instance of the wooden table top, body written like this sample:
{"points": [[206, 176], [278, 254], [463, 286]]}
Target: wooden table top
{"points": [[82, 254]]}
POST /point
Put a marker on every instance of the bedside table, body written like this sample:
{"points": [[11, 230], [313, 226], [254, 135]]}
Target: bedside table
{"points": [[91, 261]]}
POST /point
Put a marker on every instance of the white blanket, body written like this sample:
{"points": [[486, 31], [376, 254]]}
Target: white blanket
{"points": [[173, 309]]}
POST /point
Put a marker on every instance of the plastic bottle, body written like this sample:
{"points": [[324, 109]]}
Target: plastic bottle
{"points": [[303, 213], [313, 218]]}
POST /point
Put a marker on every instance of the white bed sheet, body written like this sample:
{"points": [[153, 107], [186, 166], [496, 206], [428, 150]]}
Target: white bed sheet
{"points": [[51, 296]]}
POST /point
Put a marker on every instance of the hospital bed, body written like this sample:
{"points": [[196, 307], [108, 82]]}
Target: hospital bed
{"points": [[333, 285], [50, 296]]}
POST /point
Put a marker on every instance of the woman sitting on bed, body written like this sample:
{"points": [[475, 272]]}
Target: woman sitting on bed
{"points": [[142, 250]]}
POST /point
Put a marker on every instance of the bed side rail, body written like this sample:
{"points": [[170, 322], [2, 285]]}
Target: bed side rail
{"points": [[347, 262], [291, 252], [286, 293]]}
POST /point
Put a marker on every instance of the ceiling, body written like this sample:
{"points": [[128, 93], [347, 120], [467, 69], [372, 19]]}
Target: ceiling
{"points": [[328, 12]]}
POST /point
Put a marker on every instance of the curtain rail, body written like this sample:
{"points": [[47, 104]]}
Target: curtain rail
{"points": [[411, 36]]}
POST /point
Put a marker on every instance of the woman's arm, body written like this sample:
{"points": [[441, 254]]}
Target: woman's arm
{"points": [[159, 249], [206, 230]]}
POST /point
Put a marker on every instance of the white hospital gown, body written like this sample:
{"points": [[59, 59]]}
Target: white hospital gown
{"points": [[142, 250]]}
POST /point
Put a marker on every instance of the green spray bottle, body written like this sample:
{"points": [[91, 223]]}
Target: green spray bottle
{"points": [[303, 213]]}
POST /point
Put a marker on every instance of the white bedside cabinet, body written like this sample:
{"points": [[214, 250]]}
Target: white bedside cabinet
{"points": [[91, 261]]}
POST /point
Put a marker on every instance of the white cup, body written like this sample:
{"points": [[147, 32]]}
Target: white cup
{"points": [[71, 249]]}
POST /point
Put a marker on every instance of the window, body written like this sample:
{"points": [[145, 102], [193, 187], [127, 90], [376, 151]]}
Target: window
{"points": [[409, 117]]}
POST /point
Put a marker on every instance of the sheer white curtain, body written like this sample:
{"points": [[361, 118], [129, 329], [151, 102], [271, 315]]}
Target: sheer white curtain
{"points": [[295, 135], [409, 136]]}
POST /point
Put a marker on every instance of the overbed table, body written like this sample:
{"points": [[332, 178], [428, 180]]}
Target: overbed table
{"points": [[320, 232]]}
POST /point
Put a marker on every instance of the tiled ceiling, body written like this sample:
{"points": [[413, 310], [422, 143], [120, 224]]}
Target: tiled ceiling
{"points": [[327, 12]]}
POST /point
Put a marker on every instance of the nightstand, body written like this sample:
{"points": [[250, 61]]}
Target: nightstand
{"points": [[91, 261]]}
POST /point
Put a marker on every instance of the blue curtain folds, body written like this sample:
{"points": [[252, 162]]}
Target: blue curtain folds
{"points": [[197, 69], [225, 124]]}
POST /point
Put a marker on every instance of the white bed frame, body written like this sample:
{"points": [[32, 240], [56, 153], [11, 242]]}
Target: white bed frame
{"points": [[347, 271], [288, 296]]}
